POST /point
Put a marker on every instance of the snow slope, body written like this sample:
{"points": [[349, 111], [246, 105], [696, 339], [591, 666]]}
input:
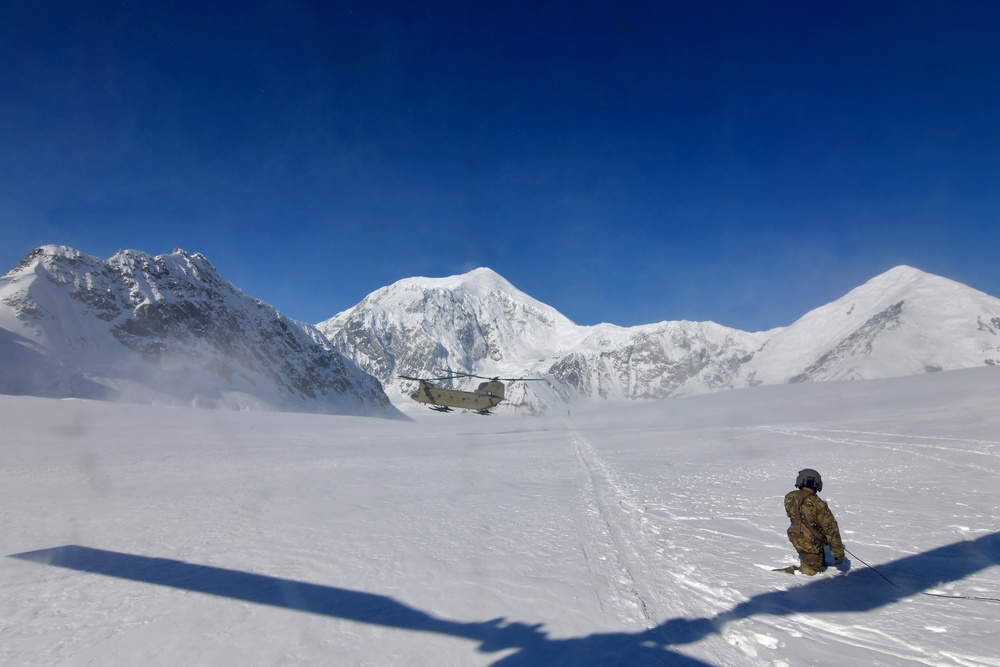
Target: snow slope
{"points": [[166, 329], [627, 534], [903, 322]]}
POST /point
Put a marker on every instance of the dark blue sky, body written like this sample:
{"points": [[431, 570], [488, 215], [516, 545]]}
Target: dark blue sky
{"points": [[630, 162]]}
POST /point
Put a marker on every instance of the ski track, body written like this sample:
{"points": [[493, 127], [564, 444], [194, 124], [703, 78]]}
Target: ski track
{"points": [[608, 537], [647, 566], [642, 578], [898, 442]]}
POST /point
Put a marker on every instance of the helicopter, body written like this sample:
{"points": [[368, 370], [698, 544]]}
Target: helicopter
{"points": [[487, 396]]}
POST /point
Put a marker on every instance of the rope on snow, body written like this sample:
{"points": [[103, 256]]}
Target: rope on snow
{"points": [[936, 595]]}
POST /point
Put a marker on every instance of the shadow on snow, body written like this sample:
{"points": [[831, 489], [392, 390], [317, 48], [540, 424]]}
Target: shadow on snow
{"points": [[859, 591]]}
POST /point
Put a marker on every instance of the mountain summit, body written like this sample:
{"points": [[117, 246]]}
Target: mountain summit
{"points": [[476, 321], [165, 329]]}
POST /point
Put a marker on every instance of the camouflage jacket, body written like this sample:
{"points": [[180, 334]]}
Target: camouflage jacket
{"points": [[813, 525]]}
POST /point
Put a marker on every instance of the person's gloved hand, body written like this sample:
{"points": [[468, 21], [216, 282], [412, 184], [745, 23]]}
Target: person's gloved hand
{"points": [[838, 559]]}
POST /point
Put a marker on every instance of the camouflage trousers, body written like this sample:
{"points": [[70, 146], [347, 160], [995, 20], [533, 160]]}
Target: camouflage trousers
{"points": [[811, 563]]}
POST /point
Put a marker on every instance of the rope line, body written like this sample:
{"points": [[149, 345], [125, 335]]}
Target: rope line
{"points": [[936, 595], [872, 569]]}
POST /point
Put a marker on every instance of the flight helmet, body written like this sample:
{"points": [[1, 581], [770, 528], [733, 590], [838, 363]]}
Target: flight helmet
{"points": [[809, 478]]}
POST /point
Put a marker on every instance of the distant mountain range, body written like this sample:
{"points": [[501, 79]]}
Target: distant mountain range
{"points": [[170, 329], [902, 322]]}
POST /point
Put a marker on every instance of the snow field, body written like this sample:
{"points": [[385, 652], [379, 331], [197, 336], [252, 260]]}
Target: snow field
{"points": [[618, 534]]}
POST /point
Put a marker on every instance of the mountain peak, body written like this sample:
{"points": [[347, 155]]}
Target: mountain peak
{"points": [[479, 279], [482, 277], [901, 322], [902, 274], [165, 329]]}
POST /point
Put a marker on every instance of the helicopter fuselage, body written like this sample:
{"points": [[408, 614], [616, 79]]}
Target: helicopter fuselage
{"points": [[486, 397]]}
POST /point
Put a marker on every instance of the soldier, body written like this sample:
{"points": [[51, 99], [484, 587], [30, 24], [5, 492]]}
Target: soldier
{"points": [[813, 525]]}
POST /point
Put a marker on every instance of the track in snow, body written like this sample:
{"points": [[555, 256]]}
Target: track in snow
{"points": [[645, 579], [935, 448], [612, 540]]}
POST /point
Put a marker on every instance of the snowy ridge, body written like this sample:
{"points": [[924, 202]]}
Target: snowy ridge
{"points": [[463, 321], [903, 322], [165, 329], [479, 323]]}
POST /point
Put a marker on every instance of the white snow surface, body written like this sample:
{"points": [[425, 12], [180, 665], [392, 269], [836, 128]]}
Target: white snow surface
{"points": [[623, 534]]}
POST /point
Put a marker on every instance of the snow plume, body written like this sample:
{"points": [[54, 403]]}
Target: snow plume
{"points": [[165, 329]]}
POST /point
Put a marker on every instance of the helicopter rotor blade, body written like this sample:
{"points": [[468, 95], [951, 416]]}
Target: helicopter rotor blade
{"points": [[520, 379], [491, 379]]}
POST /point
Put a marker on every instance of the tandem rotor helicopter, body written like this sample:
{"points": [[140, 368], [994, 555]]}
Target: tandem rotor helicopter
{"points": [[484, 398]]}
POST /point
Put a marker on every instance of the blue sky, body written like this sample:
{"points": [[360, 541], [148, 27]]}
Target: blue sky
{"points": [[627, 162]]}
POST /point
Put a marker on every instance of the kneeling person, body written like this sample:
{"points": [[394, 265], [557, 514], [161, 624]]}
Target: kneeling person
{"points": [[813, 525]]}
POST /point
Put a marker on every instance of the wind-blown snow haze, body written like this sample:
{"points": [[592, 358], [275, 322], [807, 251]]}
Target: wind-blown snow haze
{"points": [[166, 329]]}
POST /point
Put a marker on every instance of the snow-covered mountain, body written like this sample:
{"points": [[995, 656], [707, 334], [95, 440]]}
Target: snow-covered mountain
{"points": [[479, 323], [902, 322], [170, 329], [165, 329]]}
